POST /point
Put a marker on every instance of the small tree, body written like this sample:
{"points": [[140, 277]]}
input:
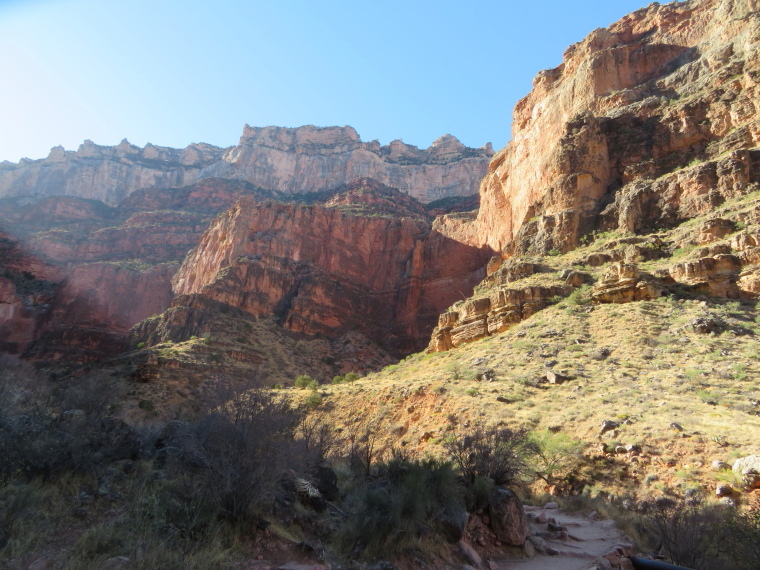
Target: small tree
{"points": [[318, 436], [555, 455], [242, 445], [498, 454], [305, 381]]}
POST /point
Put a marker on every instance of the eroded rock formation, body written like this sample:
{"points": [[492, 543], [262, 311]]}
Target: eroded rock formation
{"points": [[320, 270], [89, 272], [603, 140], [301, 160], [623, 283], [485, 316]]}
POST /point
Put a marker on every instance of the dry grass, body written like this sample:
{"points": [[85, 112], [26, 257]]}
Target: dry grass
{"points": [[657, 372]]}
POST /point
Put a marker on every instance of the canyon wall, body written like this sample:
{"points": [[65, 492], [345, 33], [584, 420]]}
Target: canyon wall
{"points": [[319, 270], [289, 160], [76, 275], [665, 87]]}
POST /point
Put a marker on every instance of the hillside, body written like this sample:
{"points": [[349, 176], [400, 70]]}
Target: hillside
{"points": [[311, 349]]}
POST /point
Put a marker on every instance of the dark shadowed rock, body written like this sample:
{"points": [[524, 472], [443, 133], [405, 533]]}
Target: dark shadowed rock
{"points": [[507, 517]]}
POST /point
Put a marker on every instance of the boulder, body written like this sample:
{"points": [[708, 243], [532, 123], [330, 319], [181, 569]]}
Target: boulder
{"points": [[507, 517], [748, 470], [452, 523]]}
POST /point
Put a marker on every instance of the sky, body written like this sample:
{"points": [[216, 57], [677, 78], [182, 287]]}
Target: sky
{"points": [[174, 72]]}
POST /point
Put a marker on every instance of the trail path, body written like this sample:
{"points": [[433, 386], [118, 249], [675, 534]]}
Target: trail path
{"points": [[587, 540]]}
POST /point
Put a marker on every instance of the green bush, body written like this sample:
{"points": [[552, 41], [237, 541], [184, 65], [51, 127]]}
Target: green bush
{"points": [[395, 511], [313, 400], [338, 379], [556, 454], [351, 377], [303, 381], [581, 296]]}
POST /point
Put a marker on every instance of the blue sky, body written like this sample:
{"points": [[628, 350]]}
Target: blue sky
{"points": [[175, 72]]}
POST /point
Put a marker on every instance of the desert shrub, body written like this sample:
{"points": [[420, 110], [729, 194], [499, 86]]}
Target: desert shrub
{"points": [[351, 377], [241, 448], [50, 430], [318, 436], [703, 537], [304, 381], [581, 296], [313, 400], [338, 379], [361, 439], [497, 454], [555, 455], [394, 512]]}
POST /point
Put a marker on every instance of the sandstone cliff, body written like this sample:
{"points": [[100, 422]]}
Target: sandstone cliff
{"points": [[320, 270], [601, 141], [88, 272], [304, 159]]}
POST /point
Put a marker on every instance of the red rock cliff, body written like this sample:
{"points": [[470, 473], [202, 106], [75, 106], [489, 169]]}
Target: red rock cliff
{"points": [[322, 271], [666, 86]]}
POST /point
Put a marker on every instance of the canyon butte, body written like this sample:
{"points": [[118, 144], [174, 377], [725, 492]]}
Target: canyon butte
{"points": [[596, 278]]}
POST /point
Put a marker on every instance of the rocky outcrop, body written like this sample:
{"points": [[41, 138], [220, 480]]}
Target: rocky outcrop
{"points": [[292, 161], [645, 123], [623, 283], [485, 316], [716, 276], [367, 197], [198, 337], [112, 267], [319, 270], [27, 290]]}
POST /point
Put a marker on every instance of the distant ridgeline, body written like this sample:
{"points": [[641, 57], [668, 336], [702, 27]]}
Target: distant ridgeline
{"points": [[299, 160]]}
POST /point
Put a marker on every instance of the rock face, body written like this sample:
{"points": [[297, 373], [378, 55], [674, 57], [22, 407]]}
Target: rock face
{"points": [[485, 316], [622, 283], [319, 270], [27, 290], [603, 140], [300, 160], [106, 173], [74, 291]]}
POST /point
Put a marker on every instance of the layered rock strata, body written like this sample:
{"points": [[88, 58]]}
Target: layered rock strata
{"points": [[485, 316], [645, 123], [319, 270], [623, 283], [111, 267], [301, 160]]}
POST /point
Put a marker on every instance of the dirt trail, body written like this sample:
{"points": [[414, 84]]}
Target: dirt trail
{"points": [[587, 540]]}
